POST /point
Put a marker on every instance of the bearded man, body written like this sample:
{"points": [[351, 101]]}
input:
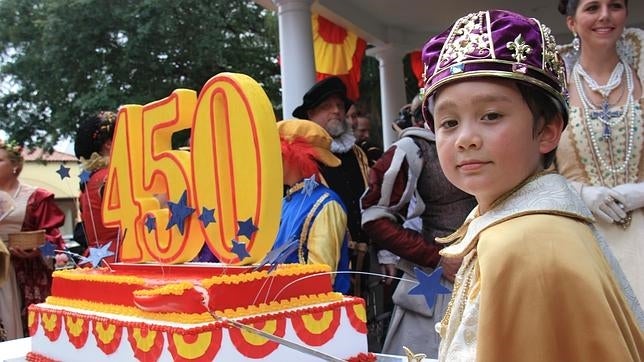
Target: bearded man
{"points": [[326, 104]]}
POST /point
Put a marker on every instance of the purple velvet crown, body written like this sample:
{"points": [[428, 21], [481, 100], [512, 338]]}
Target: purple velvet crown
{"points": [[496, 43]]}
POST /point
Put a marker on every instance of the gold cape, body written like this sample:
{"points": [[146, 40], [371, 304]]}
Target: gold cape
{"points": [[536, 285]]}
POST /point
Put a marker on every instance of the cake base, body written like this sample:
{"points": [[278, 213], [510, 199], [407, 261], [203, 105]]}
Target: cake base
{"points": [[167, 313], [66, 334]]}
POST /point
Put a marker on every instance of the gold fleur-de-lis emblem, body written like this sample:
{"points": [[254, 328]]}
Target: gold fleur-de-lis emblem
{"points": [[414, 357], [521, 49]]}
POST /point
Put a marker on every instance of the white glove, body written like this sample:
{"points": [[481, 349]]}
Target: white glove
{"points": [[633, 195], [605, 204]]}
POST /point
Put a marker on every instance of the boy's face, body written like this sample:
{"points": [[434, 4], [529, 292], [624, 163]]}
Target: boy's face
{"points": [[484, 137]]}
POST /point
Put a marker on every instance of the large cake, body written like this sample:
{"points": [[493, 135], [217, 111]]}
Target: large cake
{"points": [[156, 305], [133, 313]]}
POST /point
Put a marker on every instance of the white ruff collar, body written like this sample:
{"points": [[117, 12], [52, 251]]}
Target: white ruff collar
{"points": [[343, 143]]}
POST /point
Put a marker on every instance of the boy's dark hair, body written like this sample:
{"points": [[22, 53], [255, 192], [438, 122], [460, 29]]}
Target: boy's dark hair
{"points": [[542, 106]]}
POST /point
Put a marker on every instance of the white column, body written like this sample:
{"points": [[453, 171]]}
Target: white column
{"points": [[392, 87], [297, 62]]}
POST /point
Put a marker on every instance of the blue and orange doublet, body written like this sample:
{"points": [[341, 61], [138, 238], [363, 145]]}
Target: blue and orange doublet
{"points": [[315, 216]]}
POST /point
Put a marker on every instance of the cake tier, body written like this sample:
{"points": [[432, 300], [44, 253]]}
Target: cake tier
{"points": [[67, 334], [190, 292]]}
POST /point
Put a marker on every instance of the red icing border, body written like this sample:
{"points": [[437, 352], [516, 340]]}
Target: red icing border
{"points": [[35, 357]]}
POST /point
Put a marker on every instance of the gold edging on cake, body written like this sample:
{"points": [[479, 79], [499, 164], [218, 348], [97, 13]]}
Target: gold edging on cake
{"points": [[82, 274], [281, 270], [128, 311], [278, 306]]}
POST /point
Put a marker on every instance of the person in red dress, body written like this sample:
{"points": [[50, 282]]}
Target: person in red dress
{"points": [[28, 280]]}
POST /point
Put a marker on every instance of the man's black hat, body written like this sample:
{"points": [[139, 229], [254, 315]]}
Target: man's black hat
{"points": [[319, 93]]}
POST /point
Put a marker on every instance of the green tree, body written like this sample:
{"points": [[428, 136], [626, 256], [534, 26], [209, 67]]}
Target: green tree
{"points": [[63, 59]]}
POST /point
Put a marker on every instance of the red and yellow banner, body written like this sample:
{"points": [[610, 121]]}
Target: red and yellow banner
{"points": [[77, 330], [146, 344], [317, 328], [357, 315], [253, 345], [32, 321], [108, 336], [338, 52], [51, 325], [416, 65], [199, 346]]}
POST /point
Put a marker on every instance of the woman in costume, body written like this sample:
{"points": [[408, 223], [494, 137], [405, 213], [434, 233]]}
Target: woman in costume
{"points": [[314, 219], [29, 276], [601, 150], [92, 146]]}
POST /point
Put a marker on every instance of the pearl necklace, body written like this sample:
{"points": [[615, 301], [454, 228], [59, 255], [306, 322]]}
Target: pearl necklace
{"points": [[604, 114], [613, 82], [586, 105]]}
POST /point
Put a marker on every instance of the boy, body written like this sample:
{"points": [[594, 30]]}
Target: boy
{"points": [[534, 284], [312, 214]]}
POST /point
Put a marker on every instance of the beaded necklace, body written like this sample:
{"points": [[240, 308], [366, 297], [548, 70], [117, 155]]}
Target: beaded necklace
{"points": [[608, 119], [613, 82]]}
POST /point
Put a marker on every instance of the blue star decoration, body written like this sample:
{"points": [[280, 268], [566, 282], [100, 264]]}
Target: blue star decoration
{"points": [[84, 176], [179, 212], [150, 223], [63, 171], [207, 216], [96, 255], [429, 286], [240, 249], [278, 255], [309, 185], [47, 249], [246, 228]]}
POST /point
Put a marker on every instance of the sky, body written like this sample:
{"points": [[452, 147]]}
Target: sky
{"points": [[65, 145]]}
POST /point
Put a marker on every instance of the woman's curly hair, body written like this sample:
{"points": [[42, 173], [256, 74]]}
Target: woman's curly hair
{"points": [[14, 150], [93, 132], [14, 153]]}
